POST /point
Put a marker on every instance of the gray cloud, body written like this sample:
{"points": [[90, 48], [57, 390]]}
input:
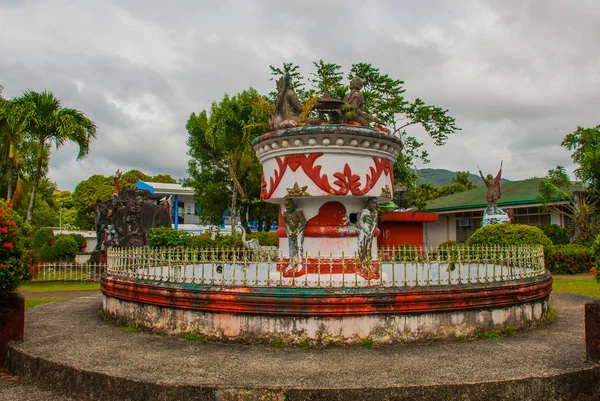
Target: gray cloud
{"points": [[517, 76]]}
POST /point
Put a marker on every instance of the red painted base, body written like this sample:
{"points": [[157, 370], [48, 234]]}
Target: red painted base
{"points": [[281, 301], [12, 322], [325, 266]]}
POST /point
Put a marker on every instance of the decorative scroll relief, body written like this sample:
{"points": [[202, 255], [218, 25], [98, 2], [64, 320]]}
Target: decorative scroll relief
{"points": [[342, 182]]}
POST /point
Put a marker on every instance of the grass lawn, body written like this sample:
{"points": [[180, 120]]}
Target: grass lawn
{"points": [[59, 286], [577, 285], [30, 303]]}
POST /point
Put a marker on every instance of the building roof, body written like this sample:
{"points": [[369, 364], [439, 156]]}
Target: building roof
{"points": [[160, 188], [514, 193]]}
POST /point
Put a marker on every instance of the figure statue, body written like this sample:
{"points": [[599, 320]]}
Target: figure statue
{"points": [[116, 179], [493, 190], [366, 222], [295, 222], [288, 108], [249, 244], [356, 101]]}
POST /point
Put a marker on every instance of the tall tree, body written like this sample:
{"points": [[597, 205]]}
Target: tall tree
{"points": [[46, 122], [585, 145], [97, 188], [384, 98], [462, 177], [220, 146], [130, 178], [11, 134], [580, 207], [164, 178]]}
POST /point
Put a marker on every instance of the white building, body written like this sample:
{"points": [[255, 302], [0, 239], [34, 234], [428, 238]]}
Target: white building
{"points": [[184, 210]]}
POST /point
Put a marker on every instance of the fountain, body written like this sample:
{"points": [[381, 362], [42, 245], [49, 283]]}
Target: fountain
{"points": [[329, 281]]}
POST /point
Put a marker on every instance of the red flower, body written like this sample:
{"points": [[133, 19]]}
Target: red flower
{"points": [[11, 223], [3, 230], [8, 204], [8, 245]]}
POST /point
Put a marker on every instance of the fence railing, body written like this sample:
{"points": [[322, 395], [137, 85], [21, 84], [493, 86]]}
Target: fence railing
{"points": [[396, 267], [67, 271]]}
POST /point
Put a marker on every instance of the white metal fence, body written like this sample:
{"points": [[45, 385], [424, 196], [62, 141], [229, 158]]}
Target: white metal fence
{"points": [[396, 267], [65, 271]]}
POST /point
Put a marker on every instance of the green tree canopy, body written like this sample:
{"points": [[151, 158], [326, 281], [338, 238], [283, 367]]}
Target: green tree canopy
{"points": [[384, 98], [164, 178], [46, 121], [581, 206], [97, 188], [585, 145], [223, 164], [130, 178], [462, 177]]}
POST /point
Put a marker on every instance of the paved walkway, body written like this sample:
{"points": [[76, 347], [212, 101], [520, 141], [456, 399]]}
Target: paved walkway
{"points": [[69, 346]]}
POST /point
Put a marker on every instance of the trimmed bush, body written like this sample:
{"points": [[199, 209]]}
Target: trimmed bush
{"points": [[570, 259], [407, 252], [15, 259], [62, 248], [166, 237], [80, 239], [202, 241], [510, 234], [40, 238], [596, 250], [558, 236], [268, 238], [447, 244]]}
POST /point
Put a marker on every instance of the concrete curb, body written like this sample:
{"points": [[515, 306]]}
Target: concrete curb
{"points": [[71, 349]]}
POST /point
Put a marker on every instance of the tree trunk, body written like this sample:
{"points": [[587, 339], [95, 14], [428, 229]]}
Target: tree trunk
{"points": [[244, 216], [268, 221], [261, 216], [9, 191], [233, 205], [36, 182]]}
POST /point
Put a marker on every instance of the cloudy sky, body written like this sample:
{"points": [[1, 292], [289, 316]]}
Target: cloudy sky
{"points": [[517, 75]]}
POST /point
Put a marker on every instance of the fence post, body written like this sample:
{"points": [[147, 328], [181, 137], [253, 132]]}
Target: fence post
{"points": [[592, 331]]}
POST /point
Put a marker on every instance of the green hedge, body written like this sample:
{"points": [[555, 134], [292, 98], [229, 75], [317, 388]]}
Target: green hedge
{"points": [[570, 259], [51, 248], [15, 258], [558, 236], [165, 237], [596, 250], [509, 234], [512, 234], [62, 248]]}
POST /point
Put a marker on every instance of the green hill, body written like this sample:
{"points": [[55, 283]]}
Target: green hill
{"points": [[438, 176]]}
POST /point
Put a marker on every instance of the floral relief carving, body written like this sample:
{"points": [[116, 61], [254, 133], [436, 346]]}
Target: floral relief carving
{"points": [[345, 181]]}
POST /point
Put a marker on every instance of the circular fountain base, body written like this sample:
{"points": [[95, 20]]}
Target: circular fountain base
{"points": [[324, 315]]}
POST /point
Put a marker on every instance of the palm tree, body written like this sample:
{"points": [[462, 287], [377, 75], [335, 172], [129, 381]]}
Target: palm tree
{"points": [[45, 122], [11, 134]]}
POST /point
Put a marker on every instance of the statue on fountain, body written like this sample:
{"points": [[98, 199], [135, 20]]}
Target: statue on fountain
{"points": [[492, 214], [295, 222], [366, 223]]}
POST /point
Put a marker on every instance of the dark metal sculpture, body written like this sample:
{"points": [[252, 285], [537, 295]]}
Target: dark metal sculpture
{"points": [[126, 219]]}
